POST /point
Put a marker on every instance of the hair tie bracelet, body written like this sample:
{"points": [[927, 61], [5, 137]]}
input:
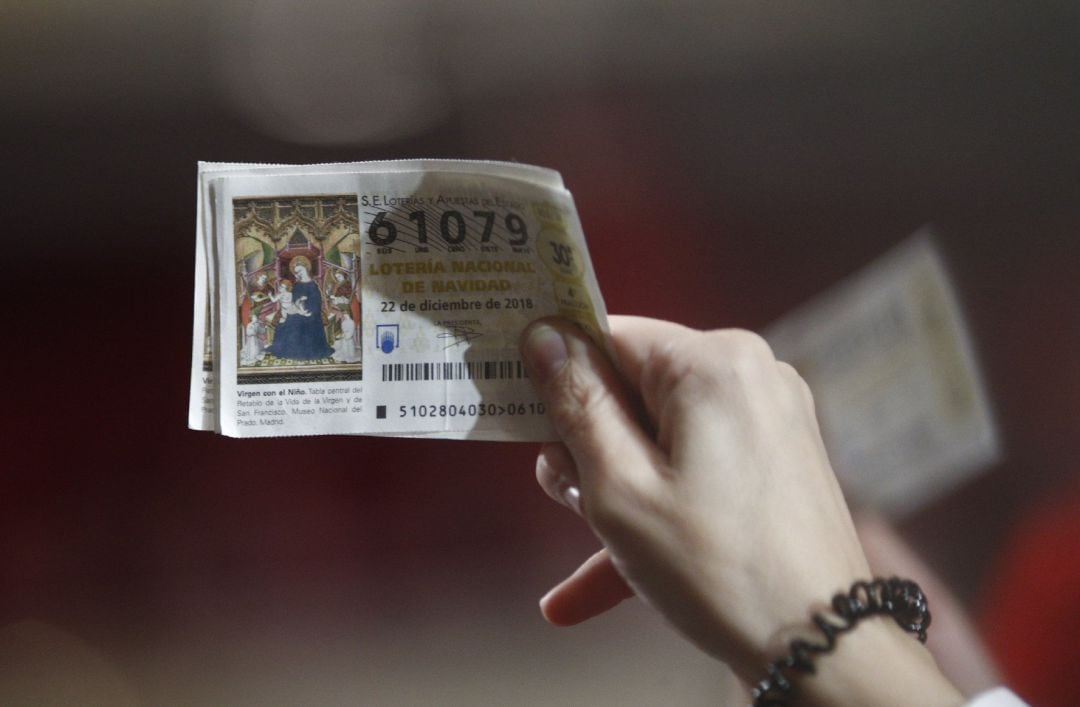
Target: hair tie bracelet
{"points": [[901, 599]]}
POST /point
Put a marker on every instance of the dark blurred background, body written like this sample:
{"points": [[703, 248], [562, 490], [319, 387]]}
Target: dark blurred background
{"points": [[729, 160]]}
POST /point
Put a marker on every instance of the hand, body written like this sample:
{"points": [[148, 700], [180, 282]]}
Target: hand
{"points": [[700, 466]]}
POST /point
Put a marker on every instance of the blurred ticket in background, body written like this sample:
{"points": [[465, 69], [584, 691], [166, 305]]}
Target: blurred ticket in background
{"points": [[902, 406], [381, 298]]}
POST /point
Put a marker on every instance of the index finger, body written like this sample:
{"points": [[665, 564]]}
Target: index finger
{"points": [[589, 405]]}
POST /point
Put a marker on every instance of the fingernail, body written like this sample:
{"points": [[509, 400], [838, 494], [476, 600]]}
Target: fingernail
{"points": [[544, 349], [571, 496]]}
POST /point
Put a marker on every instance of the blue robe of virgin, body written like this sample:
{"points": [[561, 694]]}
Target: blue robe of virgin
{"points": [[301, 338]]}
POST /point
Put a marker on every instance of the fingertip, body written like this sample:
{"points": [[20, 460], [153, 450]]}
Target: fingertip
{"points": [[592, 589], [545, 609], [557, 611], [557, 475]]}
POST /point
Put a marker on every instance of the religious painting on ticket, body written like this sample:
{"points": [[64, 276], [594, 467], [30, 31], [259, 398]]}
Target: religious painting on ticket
{"points": [[298, 289]]}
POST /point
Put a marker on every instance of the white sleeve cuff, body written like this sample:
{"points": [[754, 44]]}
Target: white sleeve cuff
{"points": [[997, 697]]}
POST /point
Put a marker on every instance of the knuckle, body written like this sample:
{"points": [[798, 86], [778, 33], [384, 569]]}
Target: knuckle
{"points": [[666, 367], [738, 359], [742, 346], [676, 374], [713, 359], [791, 374]]}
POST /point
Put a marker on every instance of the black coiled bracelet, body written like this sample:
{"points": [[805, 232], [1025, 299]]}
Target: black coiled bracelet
{"points": [[901, 599]]}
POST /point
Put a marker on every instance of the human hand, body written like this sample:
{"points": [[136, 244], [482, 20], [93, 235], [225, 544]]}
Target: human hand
{"points": [[700, 466]]}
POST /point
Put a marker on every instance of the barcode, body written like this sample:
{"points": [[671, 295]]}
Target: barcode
{"points": [[452, 370]]}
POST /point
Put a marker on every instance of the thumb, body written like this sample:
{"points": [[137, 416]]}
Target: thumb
{"points": [[589, 406]]}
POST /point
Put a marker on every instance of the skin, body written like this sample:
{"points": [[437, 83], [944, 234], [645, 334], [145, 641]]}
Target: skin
{"points": [[699, 465]]}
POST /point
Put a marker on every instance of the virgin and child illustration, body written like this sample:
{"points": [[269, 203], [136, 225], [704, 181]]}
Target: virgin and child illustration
{"points": [[289, 324], [288, 305]]}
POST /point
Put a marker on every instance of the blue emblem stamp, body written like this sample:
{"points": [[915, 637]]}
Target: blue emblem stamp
{"points": [[387, 337]]}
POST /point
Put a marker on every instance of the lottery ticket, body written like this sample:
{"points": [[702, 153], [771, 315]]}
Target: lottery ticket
{"points": [[903, 409], [380, 298]]}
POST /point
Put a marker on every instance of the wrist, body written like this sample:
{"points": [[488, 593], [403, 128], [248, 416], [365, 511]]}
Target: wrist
{"points": [[876, 664], [859, 652]]}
